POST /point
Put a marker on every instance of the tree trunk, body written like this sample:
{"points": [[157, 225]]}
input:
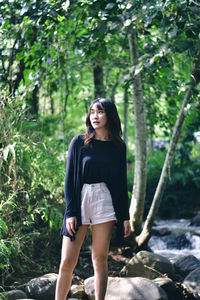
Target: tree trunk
{"points": [[139, 185], [99, 88], [52, 104], [66, 94], [35, 101], [32, 101], [114, 88], [146, 232], [126, 114]]}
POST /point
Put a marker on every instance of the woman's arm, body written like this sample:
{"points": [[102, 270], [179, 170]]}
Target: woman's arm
{"points": [[69, 188], [124, 201]]}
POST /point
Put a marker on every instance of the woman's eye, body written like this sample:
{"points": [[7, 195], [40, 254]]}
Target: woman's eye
{"points": [[99, 112]]}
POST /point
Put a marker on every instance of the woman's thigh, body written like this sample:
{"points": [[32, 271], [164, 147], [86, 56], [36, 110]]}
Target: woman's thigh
{"points": [[101, 234], [70, 250]]}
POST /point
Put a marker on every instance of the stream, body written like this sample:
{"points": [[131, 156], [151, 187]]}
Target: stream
{"points": [[179, 238]]}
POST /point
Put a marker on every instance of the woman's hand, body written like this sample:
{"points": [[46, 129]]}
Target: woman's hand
{"points": [[71, 224], [127, 228]]}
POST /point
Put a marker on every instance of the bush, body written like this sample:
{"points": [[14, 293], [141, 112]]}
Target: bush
{"points": [[181, 197], [31, 182], [182, 188]]}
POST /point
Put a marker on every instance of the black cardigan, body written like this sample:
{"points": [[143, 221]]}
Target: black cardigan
{"points": [[74, 182]]}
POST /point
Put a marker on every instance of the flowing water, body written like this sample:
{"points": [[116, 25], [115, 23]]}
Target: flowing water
{"points": [[183, 239]]}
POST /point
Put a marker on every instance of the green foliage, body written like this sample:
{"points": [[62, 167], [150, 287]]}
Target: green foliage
{"points": [[31, 182], [180, 199]]}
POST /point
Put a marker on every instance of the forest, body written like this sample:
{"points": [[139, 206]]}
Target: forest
{"points": [[58, 56]]}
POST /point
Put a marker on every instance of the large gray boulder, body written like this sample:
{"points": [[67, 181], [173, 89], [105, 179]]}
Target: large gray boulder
{"points": [[128, 289], [168, 286], [192, 283], [195, 221], [13, 295], [148, 265], [42, 288], [183, 265]]}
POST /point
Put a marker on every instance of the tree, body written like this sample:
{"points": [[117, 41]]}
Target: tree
{"points": [[139, 185], [146, 231], [176, 35]]}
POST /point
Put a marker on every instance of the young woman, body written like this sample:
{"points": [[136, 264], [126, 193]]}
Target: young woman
{"points": [[96, 194]]}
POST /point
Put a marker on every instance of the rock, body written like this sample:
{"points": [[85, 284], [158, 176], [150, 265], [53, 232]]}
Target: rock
{"points": [[195, 221], [128, 289], [148, 265], [183, 265], [77, 291], [177, 241], [42, 288], [77, 280], [192, 283], [161, 232], [168, 286], [12, 295]]}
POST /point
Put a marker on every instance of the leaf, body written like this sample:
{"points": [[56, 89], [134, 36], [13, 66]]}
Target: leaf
{"points": [[26, 75], [66, 5], [61, 18], [20, 55], [3, 226], [24, 10], [51, 224], [8, 251], [127, 22], [7, 23], [110, 6]]}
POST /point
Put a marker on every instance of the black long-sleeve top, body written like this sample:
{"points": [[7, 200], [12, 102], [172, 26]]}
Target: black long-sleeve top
{"points": [[100, 161]]}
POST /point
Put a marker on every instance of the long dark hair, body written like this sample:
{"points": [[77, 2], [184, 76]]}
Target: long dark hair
{"points": [[113, 122]]}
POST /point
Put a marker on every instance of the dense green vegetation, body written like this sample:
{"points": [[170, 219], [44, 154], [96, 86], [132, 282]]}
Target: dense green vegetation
{"points": [[57, 56]]}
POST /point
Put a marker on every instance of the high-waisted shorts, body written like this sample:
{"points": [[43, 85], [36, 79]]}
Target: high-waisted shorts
{"points": [[96, 204]]}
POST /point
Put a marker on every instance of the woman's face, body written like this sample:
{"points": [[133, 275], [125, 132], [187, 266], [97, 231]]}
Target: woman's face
{"points": [[98, 116]]}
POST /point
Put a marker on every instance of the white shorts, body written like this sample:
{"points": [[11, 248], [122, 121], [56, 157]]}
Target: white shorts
{"points": [[96, 204]]}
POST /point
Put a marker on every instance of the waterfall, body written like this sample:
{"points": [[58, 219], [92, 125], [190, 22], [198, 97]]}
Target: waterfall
{"points": [[180, 238]]}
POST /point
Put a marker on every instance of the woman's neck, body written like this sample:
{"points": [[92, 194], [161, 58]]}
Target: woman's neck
{"points": [[101, 135]]}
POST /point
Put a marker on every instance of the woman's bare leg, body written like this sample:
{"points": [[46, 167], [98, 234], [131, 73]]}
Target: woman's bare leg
{"points": [[101, 234], [69, 258]]}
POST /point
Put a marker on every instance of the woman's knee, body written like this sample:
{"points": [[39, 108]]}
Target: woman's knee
{"points": [[67, 264], [99, 259]]}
